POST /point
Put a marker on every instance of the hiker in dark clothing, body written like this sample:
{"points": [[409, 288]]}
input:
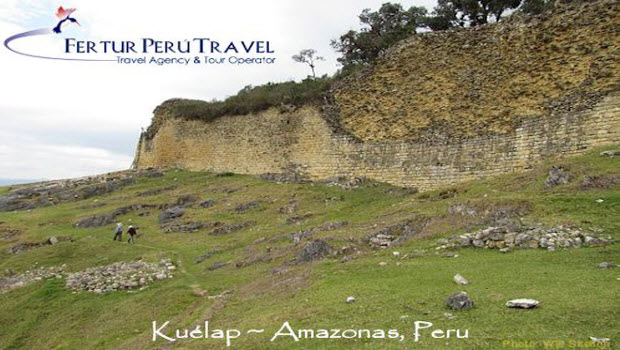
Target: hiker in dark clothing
{"points": [[131, 232], [118, 232]]}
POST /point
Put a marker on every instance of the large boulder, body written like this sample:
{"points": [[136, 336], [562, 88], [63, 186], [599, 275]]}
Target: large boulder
{"points": [[316, 250], [460, 301], [169, 214]]}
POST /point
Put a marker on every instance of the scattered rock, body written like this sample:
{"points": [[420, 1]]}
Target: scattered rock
{"points": [[288, 177], [395, 234], [449, 316], [29, 245], [170, 214], [221, 295], [328, 226], [243, 207], [208, 203], [188, 227], [95, 205], [119, 276], [7, 233], [607, 265], [230, 228], [41, 194], [299, 218], [217, 265], [558, 175], [107, 219], [316, 250], [205, 256], [348, 183], [254, 260], [600, 181], [460, 301], [280, 270], [156, 191], [13, 280], [290, 208], [522, 303], [350, 300], [187, 200], [597, 340], [96, 221], [449, 255], [458, 279], [610, 153]]}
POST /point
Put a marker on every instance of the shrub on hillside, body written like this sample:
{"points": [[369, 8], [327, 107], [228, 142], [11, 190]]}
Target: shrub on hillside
{"points": [[251, 99]]}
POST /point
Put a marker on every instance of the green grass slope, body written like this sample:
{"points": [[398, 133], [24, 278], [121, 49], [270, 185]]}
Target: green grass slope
{"points": [[261, 288]]}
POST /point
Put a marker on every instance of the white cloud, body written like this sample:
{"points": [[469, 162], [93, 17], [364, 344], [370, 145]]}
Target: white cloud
{"points": [[56, 98], [27, 158]]}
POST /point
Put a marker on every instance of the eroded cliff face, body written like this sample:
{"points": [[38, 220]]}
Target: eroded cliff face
{"points": [[485, 80], [438, 109]]}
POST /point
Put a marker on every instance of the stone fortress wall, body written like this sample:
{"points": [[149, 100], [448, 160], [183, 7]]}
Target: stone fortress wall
{"points": [[397, 132]]}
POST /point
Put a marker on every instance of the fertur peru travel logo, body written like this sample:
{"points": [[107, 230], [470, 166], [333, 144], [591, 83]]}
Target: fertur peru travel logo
{"points": [[196, 50], [64, 15]]}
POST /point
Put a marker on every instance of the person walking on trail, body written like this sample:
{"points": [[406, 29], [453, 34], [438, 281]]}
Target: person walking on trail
{"points": [[118, 232], [131, 232]]}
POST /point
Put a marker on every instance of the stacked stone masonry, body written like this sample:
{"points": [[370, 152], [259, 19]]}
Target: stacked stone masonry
{"points": [[302, 140]]}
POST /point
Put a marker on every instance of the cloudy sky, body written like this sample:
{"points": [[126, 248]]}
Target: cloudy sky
{"points": [[65, 119]]}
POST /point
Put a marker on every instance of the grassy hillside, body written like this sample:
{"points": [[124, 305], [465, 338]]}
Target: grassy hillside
{"points": [[261, 286]]}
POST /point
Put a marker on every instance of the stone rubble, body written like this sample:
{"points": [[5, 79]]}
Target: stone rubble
{"points": [[558, 175], [29, 245], [243, 207], [187, 200], [348, 183], [393, 234], [30, 276], [290, 208], [207, 203], [230, 228], [525, 237], [328, 226], [112, 217], [41, 194], [607, 265], [187, 227], [119, 276]]}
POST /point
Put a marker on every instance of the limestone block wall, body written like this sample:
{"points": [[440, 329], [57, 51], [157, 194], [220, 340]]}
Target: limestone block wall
{"points": [[301, 140]]}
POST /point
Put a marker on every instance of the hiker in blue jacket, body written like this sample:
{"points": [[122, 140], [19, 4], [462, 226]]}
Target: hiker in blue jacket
{"points": [[118, 232]]}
